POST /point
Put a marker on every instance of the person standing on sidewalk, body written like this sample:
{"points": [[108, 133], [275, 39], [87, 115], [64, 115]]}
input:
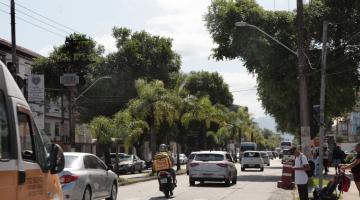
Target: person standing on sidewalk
{"points": [[326, 162], [337, 156], [355, 167], [300, 168]]}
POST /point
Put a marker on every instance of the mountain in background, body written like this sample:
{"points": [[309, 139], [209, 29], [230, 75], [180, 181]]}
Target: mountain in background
{"points": [[266, 122]]}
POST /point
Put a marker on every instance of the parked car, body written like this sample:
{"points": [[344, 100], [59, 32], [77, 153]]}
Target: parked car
{"points": [[287, 157], [131, 163], [190, 159], [265, 157], [252, 159], [113, 160], [182, 157], [270, 153], [87, 177], [212, 166]]}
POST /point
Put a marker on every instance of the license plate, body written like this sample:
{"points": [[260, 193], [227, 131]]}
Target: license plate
{"points": [[163, 180]]}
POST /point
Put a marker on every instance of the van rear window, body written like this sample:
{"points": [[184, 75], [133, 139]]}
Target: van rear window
{"points": [[251, 155], [4, 128]]}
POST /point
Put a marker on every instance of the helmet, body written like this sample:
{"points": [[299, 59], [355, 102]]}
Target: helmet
{"points": [[163, 147]]}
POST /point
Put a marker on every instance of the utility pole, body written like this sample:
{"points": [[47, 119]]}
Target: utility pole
{"points": [[303, 93], [322, 99], [13, 38]]}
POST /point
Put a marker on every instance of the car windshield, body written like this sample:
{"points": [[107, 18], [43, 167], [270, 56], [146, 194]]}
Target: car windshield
{"points": [[126, 158], [113, 156], [247, 148], [209, 157], [72, 162], [251, 155], [191, 157]]}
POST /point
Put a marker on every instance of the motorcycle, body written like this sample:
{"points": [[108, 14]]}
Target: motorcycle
{"points": [[166, 183]]}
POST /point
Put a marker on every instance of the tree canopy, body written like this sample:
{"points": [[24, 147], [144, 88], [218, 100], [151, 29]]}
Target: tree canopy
{"points": [[205, 83], [275, 66]]}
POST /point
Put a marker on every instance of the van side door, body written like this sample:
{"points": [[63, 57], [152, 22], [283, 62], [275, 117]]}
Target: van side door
{"points": [[8, 161], [35, 185]]}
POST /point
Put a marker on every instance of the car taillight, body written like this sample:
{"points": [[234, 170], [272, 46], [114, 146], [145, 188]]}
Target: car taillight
{"points": [[222, 165], [68, 179], [162, 173], [194, 164]]}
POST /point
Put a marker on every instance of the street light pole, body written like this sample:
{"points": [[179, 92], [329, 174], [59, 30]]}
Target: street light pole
{"points": [[72, 104]]}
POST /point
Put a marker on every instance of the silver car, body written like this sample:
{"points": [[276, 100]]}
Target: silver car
{"points": [[86, 177]]}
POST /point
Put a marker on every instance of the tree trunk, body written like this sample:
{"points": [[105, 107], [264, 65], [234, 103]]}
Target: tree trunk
{"points": [[153, 140], [106, 154]]}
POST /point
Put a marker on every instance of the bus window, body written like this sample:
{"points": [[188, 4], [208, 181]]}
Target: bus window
{"points": [[4, 129]]}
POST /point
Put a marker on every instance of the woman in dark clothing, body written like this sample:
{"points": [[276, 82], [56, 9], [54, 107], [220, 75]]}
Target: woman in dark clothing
{"points": [[355, 167]]}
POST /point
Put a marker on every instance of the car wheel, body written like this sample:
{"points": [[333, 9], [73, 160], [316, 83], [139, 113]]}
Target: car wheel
{"points": [[269, 164], [140, 171], [201, 182], [87, 194], [262, 169], [234, 181], [187, 172], [113, 194], [243, 169], [191, 182], [227, 182], [132, 171]]}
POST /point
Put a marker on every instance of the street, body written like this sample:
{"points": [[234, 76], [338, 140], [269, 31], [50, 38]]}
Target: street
{"points": [[251, 185]]}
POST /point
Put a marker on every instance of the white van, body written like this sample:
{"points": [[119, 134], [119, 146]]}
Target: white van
{"points": [[27, 168]]}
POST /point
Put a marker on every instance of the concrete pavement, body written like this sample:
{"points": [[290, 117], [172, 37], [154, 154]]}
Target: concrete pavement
{"points": [[252, 185]]}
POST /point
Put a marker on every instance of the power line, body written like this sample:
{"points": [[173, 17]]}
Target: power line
{"points": [[47, 18], [36, 25], [39, 20]]}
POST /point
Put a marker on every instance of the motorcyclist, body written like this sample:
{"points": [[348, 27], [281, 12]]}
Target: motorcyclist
{"points": [[163, 148]]}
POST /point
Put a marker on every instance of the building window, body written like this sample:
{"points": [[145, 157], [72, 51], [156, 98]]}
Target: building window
{"points": [[57, 129], [47, 129]]}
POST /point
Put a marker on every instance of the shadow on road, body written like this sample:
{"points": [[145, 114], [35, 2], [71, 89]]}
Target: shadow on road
{"points": [[274, 167], [212, 184], [160, 197], [258, 178]]}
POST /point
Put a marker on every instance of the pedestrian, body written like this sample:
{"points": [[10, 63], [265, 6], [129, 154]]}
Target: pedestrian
{"points": [[317, 163], [326, 160], [337, 156], [355, 167], [300, 168]]}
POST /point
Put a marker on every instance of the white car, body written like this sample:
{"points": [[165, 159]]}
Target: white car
{"points": [[86, 177], [190, 159], [252, 159], [265, 157], [215, 166], [183, 159]]}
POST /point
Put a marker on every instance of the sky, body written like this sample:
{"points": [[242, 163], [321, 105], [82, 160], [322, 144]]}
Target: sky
{"points": [[181, 20]]}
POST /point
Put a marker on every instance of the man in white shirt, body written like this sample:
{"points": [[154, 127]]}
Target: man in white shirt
{"points": [[300, 168]]}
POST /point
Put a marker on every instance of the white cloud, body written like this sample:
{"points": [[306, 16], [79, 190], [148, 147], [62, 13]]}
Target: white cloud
{"points": [[108, 41]]}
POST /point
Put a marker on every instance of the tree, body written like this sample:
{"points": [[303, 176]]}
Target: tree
{"points": [[209, 84], [79, 54], [139, 55], [129, 129], [103, 130], [275, 67], [155, 105]]}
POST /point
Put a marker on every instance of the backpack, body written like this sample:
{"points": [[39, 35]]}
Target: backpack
{"points": [[310, 173]]}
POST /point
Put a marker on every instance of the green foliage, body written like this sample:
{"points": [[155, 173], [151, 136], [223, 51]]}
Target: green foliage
{"points": [[275, 67], [78, 54], [102, 129], [140, 55], [209, 84]]}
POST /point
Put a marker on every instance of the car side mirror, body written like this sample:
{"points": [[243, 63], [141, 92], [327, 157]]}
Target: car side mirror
{"points": [[57, 160]]}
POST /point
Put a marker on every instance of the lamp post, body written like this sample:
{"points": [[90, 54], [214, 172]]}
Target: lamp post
{"points": [[304, 113], [73, 103]]}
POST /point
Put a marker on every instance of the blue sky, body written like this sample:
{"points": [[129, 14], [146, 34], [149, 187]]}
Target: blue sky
{"points": [[181, 20]]}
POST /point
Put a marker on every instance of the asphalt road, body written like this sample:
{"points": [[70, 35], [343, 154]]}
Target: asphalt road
{"points": [[251, 185]]}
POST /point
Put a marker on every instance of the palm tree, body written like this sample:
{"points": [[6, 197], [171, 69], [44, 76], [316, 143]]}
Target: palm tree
{"points": [[155, 105], [103, 130], [129, 128]]}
